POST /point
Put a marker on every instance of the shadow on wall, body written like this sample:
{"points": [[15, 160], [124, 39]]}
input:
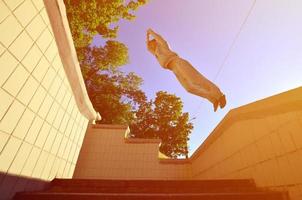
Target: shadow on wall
{"points": [[11, 184]]}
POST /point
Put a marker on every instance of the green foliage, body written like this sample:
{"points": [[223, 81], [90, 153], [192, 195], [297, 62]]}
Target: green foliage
{"points": [[88, 18], [164, 119]]}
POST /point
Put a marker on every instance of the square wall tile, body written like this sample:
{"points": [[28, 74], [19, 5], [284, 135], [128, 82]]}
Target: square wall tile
{"points": [[52, 112], [48, 166], [44, 40], [2, 49], [44, 15], [44, 109], [48, 78], [50, 139], [39, 4], [9, 29], [31, 162], [34, 130], [41, 69], [12, 4], [33, 57], [28, 90], [56, 145], [38, 99], [8, 64], [16, 81], [3, 139], [20, 159], [11, 119], [21, 45], [37, 172], [6, 101], [51, 51], [25, 12], [36, 27], [8, 153], [4, 11], [24, 124], [42, 135]]}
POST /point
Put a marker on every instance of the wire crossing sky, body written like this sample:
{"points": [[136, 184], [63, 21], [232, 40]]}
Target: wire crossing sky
{"points": [[250, 49]]}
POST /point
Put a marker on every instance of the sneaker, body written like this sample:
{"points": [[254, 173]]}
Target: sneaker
{"points": [[215, 104], [222, 101]]}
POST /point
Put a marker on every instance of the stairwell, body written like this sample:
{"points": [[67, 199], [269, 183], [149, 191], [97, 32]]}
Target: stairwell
{"points": [[112, 166], [82, 189]]}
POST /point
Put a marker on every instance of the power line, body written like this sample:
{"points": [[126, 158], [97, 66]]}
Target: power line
{"points": [[230, 48]]}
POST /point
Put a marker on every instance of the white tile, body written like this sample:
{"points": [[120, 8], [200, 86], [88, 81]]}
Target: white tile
{"points": [[25, 12], [39, 4], [55, 86], [50, 139], [37, 100], [20, 159], [12, 4], [34, 130], [8, 64], [6, 101], [42, 135], [28, 90], [2, 49], [4, 11], [48, 166], [24, 124], [44, 15], [16, 81], [3, 139], [52, 113], [56, 144], [31, 162], [32, 58], [12, 117], [48, 78], [41, 69], [21, 45], [8, 153], [58, 118], [44, 40], [9, 29], [44, 109], [37, 172], [52, 51], [36, 27]]}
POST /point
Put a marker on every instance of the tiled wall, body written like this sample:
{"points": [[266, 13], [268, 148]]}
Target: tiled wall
{"points": [[107, 155], [41, 128], [262, 141]]}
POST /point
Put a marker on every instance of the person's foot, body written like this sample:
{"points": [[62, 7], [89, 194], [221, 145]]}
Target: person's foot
{"points": [[222, 101]]}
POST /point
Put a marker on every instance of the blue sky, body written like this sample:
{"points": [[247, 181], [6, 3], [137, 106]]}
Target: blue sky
{"points": [[266, 59]]}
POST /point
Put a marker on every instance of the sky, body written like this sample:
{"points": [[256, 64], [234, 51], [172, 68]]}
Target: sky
{"points": [[264, 60]]}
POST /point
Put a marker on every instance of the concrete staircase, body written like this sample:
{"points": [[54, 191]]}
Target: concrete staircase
{"points": [[84, 189]]}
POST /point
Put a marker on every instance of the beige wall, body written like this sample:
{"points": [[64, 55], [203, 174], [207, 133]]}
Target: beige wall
{"points": [[106, 154], [262, 140], [41, 128]]}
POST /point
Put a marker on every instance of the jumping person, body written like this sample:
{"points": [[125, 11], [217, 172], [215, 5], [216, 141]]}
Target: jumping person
{"points": [[187, 75]]}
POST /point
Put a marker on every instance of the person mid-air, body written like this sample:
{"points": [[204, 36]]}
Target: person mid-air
{"points": [[187, 75]]}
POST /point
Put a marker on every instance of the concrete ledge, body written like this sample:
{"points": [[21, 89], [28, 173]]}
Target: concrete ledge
{"points": [[291, 100], [59, 23], [109, 126], [142, 141], [175, 161]]}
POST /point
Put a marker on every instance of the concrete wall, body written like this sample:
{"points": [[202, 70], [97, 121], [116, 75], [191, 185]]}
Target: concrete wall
{"points": [[108, 154], [262, 140], [41, 126]]}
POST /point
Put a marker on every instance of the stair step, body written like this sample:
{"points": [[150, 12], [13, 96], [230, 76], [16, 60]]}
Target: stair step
{"points": [[151, 196]]}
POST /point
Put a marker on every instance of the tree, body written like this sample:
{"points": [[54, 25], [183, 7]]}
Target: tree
{"points": [[88, 18], [164, 119]]}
